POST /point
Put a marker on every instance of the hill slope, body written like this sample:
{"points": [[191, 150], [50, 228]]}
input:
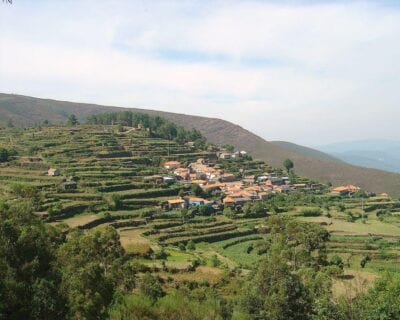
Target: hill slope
{"points": [[24, 110], [305, 151]]}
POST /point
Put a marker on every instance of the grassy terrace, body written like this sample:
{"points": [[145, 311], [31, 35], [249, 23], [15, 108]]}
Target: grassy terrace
{"points": [[108, 165]]}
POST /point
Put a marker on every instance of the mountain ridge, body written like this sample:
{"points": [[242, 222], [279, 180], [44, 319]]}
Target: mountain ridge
{"points": [[24, 110]]}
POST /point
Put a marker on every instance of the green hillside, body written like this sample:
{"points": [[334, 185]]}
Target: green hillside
{"points": [[24, 110], [104, 225]]}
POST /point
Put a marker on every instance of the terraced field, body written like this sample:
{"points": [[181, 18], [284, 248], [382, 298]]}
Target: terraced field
{"points": [[104, 180], [109, 168]]}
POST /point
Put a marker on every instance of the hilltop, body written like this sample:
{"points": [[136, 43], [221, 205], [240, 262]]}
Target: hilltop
{"points": [[23, 110]]}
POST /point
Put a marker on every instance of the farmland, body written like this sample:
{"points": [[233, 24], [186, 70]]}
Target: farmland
{"points": [[107, 176]]}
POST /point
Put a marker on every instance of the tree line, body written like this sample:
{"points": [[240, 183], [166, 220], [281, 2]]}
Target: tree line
{"points": [[157, 126]]}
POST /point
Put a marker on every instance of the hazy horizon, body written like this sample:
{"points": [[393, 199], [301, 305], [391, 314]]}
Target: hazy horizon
{"points": [[308, 72]]}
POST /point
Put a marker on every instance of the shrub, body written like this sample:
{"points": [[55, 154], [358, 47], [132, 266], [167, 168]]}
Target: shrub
{"points": [[311, 212], [190, 245]]}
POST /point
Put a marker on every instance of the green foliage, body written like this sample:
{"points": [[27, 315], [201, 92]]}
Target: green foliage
{"points": [[29, 281], [215, 262], [274, 292], [116, 201], [288, 164], [28, 193], [72, 120], [150, 287], [229, 147], [191, 246], [381, 302], [255, 209], [176, 305], [337, 261], [364, 261], [229, 212], [157, 126], [311, 212], [6, 154], [92, 268]]}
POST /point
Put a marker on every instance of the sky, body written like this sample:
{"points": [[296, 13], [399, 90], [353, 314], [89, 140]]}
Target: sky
{"points": [[309, 72]]}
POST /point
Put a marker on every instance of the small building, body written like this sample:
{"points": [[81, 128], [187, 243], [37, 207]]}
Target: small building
{"points": [[263, 195], [228, 202], [225, 156], [193, 201], [249, 179], [346, 190], [172, 165], [176, 203], [53, 172], [157, 179], [227, 177], [169, 180]]}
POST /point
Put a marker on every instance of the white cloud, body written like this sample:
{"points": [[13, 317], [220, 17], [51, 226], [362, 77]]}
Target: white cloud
{"points": [[306, 73]]}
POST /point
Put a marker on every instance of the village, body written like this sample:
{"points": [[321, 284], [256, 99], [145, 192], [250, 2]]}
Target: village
{"points": [[225, 189]]}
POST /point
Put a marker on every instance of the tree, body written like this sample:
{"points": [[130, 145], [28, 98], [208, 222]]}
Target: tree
{"points": [[381, 302], [229, 147], [274, 292], [364, 261], [190, 245], [4, 155], [288, 164], [93, 267], [116, 201], [72, 120], [150, 286], [29, 280]]}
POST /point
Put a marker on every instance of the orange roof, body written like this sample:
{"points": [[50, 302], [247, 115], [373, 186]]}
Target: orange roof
{"points": [[176, 201], [171, 163], [346, 188], [213, 185], [228, 200], [198, 181], [196, 199]]}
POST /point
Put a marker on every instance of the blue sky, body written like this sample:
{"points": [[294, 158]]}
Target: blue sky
{"points": [[304, 71]]}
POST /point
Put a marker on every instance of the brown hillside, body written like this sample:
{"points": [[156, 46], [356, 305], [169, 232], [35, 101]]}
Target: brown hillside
{"points": [[24, 110]]}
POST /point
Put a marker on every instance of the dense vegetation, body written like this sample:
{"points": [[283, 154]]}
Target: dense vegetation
{"points": [[157, 126], [94, 243]]}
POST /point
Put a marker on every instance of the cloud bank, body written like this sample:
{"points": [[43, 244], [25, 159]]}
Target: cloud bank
{"points": [[307, 72]]}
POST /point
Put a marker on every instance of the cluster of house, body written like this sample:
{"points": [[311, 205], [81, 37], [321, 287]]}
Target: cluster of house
{"points": [[235, 190], [231, 155]]}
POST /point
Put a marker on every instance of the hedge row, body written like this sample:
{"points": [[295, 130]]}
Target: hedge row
{"points": [[195, 233], [241, 240], [129, 223], [213, 237], [123, 187], [152, 193]]}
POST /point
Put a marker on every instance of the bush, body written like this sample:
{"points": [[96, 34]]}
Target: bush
{"points": [[190, 245], [311, 212], [150, 287]]}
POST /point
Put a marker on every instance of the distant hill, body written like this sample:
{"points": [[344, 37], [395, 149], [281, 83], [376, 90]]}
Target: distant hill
{"points": [[24, 110], [380, 154]]}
